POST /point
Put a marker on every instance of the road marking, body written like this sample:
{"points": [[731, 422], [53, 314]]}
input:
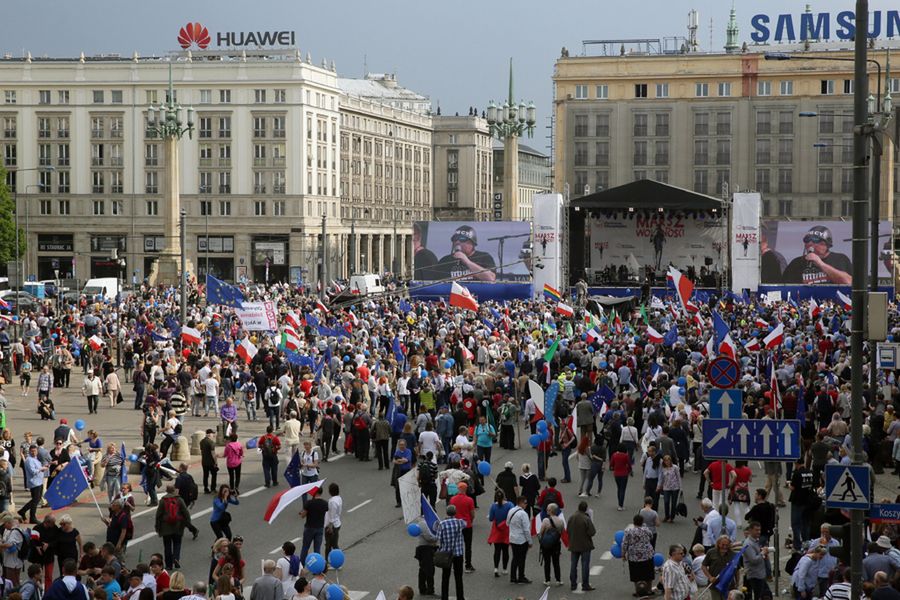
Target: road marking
{"points": [[606, 555], [334, 458], [293, 541], [146, 536], [596, 570], [253, 491], [360, 505]]}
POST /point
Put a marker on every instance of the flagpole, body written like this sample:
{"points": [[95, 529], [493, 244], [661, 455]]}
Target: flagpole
{"points": [[88, 483]]}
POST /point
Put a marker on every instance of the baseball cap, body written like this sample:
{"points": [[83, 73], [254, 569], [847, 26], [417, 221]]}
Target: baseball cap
{"points": [[465, 233]]}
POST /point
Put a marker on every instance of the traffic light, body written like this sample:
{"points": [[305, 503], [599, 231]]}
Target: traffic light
{"points": [[842, 534]]}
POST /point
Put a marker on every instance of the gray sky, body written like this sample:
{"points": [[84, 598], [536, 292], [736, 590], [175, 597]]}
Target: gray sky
{"points": [[457, 56]]}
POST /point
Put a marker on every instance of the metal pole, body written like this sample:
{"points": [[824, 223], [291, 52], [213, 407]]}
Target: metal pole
{"points": [[18, 264], [183, 289], [860, 114], [207, 243], [351, 261], [874, 209], [396, 266], [324, 272]]}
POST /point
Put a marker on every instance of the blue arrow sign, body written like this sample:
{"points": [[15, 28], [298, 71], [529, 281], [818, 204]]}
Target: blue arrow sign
{"points": [[847, 486], [751, 439], [726, 404]]}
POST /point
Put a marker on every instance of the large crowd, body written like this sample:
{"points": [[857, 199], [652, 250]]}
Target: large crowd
{"points": [[431, 389]]}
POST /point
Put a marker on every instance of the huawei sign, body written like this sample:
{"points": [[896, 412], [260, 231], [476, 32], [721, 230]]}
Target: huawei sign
{"points": [[194, 34]]}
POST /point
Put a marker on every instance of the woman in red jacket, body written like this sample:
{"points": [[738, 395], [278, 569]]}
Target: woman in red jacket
{"points": [[620, 465]]}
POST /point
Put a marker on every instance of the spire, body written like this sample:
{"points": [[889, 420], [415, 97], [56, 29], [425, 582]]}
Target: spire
{"points": [[511, 101], [731, 31], [171, 96]]}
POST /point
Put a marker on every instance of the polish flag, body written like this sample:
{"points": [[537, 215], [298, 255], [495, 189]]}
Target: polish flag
{"points": [[246, 350], [761, 323], [4, 304], [691, 307], [96, 342], [845, 300], [291, 339], [708, 349], [654, 336], [684, 288], [593, 335], [281, 501], [353, 318], [776, 395], [775, 337], [814, 308], [728, 347], [190, 335], [294, 321], [752, 345], [466, 352], [565, 310], [461, 297], [322, 307]]}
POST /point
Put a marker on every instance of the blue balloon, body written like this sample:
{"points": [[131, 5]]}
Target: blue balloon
{"points": [[452, 489], [620, 535], [682, 381], [590, 349], [658, 559], [583, 336], [544, 435], [133, 458], [448, 364], [452, 361], [535, 440], [572, 366], [252, 443], [315, 562], [603, 364], [346, 359], [616, 551], [682, 390], [809, 347], [412, 529], [54, 336], [79, 425], [336, 557], [484, 467], [542, 425], [334, 592]]}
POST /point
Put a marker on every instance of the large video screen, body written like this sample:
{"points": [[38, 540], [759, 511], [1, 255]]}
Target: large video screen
{"points": [[814, 252], [485, 251]]}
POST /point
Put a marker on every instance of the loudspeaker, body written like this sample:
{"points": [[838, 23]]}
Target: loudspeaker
{"points": [[707, 261]]}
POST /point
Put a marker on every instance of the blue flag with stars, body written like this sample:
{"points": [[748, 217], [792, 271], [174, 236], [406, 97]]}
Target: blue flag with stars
{"points": [[219, 292], [66, 486], [405, 306], [292, 472], [123, 472]]}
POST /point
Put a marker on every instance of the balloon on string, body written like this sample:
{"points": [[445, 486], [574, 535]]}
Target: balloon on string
{"points": [[535, 440], [79, 425], [448, 364], [133, 458], [413, 529], [252, 443], [315, 563], [619, 536], [484, 467], [542, 425], [682, 381], [452, 361], [658, 559], [544, 435], [616, 551], [682, 391], [334, 592], [336, 557]]}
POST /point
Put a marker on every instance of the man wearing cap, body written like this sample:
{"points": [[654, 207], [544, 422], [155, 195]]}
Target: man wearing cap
{"points": [[92, 388], [878, 560], [464, 261], [819, 264]]}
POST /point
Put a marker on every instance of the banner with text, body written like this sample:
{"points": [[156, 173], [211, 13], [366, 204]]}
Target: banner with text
{"points": [[258, 316], [745, 242], [547, 250]]}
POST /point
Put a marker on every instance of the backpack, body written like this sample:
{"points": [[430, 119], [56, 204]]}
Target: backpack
{"points": [[268, 447], [552, 497], [294, 565], [359, 423], [551, 537], [24, 549], [171, 510]]}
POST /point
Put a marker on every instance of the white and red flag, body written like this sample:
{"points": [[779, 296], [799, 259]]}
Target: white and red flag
{"points": [[462, 297], [246, 350], [190, 335], [282, 500], [775, 337]]}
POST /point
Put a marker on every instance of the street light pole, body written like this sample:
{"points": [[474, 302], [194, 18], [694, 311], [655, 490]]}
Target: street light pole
{"points": [[324, 271], [18, 286], [183, 283], [351, 261]]}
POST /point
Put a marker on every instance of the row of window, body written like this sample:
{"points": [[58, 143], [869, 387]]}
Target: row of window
{"points": [[661, 120], [723, 89], [102, 207], [260, 96]]}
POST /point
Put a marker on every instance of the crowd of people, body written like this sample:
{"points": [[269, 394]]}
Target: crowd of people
{"points": [[435, 389]]}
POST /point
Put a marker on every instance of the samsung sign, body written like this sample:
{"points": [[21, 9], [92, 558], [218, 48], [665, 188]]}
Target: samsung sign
{"points": [[821, 26]]}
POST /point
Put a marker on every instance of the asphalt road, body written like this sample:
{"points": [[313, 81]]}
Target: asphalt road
{"points": [[379, 553]]}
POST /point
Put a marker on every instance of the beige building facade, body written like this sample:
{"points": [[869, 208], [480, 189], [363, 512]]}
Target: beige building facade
{"points": [[534, 177], [463, 169]]}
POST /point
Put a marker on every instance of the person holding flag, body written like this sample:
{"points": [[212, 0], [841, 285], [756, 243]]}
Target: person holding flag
{"points": [[720, 567]]}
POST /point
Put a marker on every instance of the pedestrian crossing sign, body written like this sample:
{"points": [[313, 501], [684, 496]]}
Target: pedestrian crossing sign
{"points": [[847, 486]]}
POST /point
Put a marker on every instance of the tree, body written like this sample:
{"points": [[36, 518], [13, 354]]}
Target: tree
{"points": [[8, 225]]}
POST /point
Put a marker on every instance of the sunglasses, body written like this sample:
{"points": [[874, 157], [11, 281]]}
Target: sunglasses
{"points": [[815, 239], [238, 539]]}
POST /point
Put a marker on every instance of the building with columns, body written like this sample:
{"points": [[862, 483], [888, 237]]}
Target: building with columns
{"points": [[463, 168], [534, 177], [260, 173]]}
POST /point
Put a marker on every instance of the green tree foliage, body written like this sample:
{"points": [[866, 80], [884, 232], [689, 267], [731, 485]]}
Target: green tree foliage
{"points": [[8, 225]]}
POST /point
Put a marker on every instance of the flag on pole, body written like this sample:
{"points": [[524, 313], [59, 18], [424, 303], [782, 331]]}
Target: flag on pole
{"points": [[189, 335], [565, 310], [654, 336], [219, 292], [461, 297], [723, 582], [429, 514], [775, 403], [281, 501], [814, 308], [644, 315], [752, 345], [761, 323], [775, 337], [290, 339], [67, 486], [246, 350], [684, 287], [845, 300], [4, 304], [466, 352], [671, 336], [551, 351], [593, 335], [552, 293], [292, 471], [321, 306], [96, 342], [294, 321], [123, 472]]}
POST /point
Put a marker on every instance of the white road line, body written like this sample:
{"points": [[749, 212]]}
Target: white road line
{"points": [[146, 536], [596, 570], [334, 458], [606, 555], [360, 505], [353, 595], [253, 491], [293, 541]]}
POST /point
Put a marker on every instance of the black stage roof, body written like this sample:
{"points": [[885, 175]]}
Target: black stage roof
{"points": [[646, 194]]}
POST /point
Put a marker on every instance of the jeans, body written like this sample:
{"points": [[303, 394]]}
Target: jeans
{"points": [[270, 470], [250, 407], [312, 536], [333, 539], [92, 402], [139, 397], [381, 453], [621, 484], [650, 484], [234, 477], [211, 401], [596, 471], [670, 500], [582, 484], [517, 569], [209, 478], [551, 558], [585, 559], [221, 529], [113, 485], [171, 550], [456, 565], [501, 555], [799, 525], [567, 474], [759, 589], [467, 539], [484, 452], [272, 413]]}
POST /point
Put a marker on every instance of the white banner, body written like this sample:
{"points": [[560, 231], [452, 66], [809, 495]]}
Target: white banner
{"points": [[546, 252], [745, 242], [644, 238], [258, 316]]}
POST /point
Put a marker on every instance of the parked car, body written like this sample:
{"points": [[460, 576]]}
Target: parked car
{"points": [[26, 302]]}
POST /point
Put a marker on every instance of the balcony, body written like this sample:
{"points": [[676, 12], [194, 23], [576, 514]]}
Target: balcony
{"points": [[259, 133], [9, 133], [259, 162], [62, 133], [259, 189], [44, 161], [151, 162], [224, 133], [279, 133], [224, 162], [278, 161], [206, 162], [151, 189], [116, 133], [97, 189], [204, 133], [278, 189], [116, 161], [62, 161], [116, 189], [97, 133], [224, 189], [43, 133], [97, 161]]}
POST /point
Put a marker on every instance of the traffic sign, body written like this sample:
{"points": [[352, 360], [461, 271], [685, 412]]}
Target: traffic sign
{"points": [[723, 372], [751, 439], [885, 513], [847, 486], [726, 404], [888, 356]]}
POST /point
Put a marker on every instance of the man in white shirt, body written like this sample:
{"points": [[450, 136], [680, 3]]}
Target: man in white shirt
{"points": [[429, 440], [211, 387], [333, 518], [709, 539]]}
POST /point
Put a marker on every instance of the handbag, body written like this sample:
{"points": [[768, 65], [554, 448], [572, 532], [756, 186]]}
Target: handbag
{"points": [[681, 507], [119, 398], [442, 560]]}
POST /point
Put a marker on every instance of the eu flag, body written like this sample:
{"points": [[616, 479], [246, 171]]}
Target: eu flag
{"points": [[724, 580], [123, 473], [429, 514], [219, 292], [67, 486], [671, 336], [405, 306], [292, 471]]}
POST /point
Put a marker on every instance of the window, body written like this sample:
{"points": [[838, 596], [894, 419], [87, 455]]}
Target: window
{"points": [[640, 90], [640, 125], [44, 98], [279, 208], [46, 207], [640, 153], [724, 89], [581, 92], [635, 176], [205, 96], [785, 181], [581, 125], [65, 208], [9, 127], [601, 154], [826, 123], [785, 207], [846, 183], [786, 151], [205, 186], [98, 96], [259, 96], [763, 122], [152, 208], [581, 155], [826, 181], [62, 183], [224, 96], [10, 155], [10, 96], [662, 90], [848, 86], [62, 97], [701, 152], [826, 87], [97, 127], [224, 127], [723, 152], [97, 186], [62, 127], [786, 122], [701, 90], [151, 155], [99, 207], [225, 208], [763, 88], [701, 123], [116, 96], [602, 180], [661, 156], [259, 127], [280, 96], [151, 182], [826, 154], [115, 127], [62, 155], [259, 208], [701, 181], [278, 182], [723, 123], [97, 155], [661, 176], [118, 208], [151, 96], [278, 127], [205, 208], [601, 125], [662, 124], [723, 176], [259, 182], [786, 88], [224, 182], [204, 127], [763, 180], [602, 92], [115, 183], [763, 151]]}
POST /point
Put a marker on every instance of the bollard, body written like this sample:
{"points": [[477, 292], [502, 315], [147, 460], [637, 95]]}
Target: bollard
{"points": [[196, 437], [180, 450], [220, 434]]}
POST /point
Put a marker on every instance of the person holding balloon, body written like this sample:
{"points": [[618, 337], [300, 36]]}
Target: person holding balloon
{"points": [[637, 551]]}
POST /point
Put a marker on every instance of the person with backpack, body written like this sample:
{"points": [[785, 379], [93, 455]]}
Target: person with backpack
{"points": [[273, 398], [188, 491], [550, 538], [288, 567], [15, 547], [550, 495], [269, 445], [67, 586]]}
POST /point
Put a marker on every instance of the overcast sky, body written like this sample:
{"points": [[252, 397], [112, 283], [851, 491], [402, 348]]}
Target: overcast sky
{"points": [[456, 56]]}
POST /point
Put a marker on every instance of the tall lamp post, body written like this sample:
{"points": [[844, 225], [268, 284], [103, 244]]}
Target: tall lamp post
{"points": [[167, 122], [509, 122], [18, 286]]}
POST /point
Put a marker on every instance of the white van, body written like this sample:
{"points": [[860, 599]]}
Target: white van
{"points": [[365, 285], [108, 287]]}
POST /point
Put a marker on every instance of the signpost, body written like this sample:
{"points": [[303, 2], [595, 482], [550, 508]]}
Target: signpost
{"points": [[723, 372], [847, 486], [751, 439], [885, 513], [888, 356], [726, 404]]}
